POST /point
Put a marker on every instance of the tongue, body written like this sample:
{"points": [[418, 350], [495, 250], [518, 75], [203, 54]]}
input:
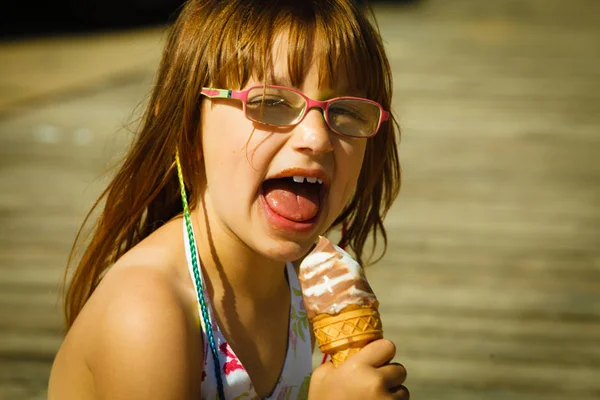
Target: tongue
{"points": [[291, 200]]}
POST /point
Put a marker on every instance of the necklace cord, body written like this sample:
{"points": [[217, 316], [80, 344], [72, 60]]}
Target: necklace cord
{"points": [[198, 281]]}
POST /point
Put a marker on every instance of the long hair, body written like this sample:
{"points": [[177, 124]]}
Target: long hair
{"points": [[222, 43]]}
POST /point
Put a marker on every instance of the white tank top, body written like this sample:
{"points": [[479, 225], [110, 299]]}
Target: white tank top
{"points": [[295, 376]]}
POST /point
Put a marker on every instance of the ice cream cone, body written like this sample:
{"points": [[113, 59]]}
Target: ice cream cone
{"points": [[344, 334], [339, 301]]}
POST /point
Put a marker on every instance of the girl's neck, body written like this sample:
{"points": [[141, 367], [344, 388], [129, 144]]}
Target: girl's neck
{"points": [[231, 268]]}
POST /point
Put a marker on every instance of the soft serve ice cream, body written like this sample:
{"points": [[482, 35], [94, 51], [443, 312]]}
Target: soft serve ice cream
{"points": [[339, 301], [332, 280]]}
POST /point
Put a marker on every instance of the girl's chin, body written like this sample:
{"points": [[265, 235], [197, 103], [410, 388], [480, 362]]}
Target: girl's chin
{"points": [[290, 252], [280, 249]]}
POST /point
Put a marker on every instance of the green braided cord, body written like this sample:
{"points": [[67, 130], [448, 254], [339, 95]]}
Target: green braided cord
{"points": [[194, 256]]}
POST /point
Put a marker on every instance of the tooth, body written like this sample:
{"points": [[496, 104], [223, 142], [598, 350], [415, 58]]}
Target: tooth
{"points": [[298, 179], [311, 180], [319, 180]]}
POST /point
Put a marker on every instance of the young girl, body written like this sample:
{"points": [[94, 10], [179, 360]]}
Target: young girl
{"points": [[268, 126]]}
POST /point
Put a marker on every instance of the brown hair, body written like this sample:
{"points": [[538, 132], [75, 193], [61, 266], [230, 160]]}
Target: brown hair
{"points": [[222, 43]]}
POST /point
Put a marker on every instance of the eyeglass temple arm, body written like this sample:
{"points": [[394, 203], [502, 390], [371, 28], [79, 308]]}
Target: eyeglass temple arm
{"points": [[221, 93], [384, 115]]}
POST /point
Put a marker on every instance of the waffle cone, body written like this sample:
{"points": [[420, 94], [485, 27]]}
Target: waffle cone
{"points": [[344, 334]]}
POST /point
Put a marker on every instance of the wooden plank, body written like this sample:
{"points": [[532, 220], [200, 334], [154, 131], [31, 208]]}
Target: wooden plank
{"points": [[490, 286]]}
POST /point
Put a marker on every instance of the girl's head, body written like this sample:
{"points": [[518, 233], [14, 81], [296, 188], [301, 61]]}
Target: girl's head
{"points": [[237, 170]]}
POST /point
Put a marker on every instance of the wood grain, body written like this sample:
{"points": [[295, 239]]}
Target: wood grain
{"points": [[491, 283]]}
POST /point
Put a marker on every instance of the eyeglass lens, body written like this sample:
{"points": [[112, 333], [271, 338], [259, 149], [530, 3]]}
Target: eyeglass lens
{"points": [[283, 107]]}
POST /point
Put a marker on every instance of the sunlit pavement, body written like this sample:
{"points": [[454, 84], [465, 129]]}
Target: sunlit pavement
{"points": [[490, 286]]}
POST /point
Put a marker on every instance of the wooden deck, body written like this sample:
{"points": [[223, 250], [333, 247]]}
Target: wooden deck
{"points": [[491, 283]]}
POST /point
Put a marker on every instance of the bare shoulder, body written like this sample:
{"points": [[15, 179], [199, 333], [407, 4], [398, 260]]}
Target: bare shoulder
{"points": [[138, 334], [149, 346]]}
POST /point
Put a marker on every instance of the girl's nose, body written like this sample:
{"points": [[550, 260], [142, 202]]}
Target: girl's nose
{"points": [[312, 134]]}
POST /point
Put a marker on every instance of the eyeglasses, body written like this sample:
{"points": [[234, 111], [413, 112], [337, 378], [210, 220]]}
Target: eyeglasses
{"points": [[283, 107]]}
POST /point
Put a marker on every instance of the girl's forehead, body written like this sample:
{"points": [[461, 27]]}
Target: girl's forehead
{"points": [[306, 71], [311, 85]]}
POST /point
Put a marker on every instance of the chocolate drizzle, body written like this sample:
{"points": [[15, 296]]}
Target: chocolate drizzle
{"points": [[331, 281]]}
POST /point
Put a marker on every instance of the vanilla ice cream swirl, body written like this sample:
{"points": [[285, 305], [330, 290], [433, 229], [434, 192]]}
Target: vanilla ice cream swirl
{"points": [[332, 280]]}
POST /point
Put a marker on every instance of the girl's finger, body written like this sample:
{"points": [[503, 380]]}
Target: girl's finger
{"points": [[400, 393], [376, 353], [394, 375]]}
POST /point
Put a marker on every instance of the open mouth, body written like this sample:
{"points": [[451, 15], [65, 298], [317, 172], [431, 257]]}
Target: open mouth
{"points": [[295, 198]]}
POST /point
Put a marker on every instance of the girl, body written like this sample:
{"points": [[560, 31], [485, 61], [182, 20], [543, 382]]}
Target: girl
{"points": [[268, 126]]}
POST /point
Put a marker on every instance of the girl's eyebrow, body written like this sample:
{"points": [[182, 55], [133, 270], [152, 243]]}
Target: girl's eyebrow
{"points": [[340, 92], [325, 93], [281, 81]]}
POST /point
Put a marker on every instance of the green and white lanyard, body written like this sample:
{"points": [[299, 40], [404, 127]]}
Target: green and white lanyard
{"points": [[205, 320]]}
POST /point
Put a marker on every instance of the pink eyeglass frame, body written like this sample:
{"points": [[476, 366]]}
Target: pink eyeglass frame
{"points": [[310, 104]]}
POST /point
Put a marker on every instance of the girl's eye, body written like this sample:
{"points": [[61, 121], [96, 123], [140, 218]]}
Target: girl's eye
{"points": [[268, 101], [349, 112]]}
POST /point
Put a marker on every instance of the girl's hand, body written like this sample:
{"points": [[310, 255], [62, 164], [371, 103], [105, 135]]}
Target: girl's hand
{"points": [[366, 375]]}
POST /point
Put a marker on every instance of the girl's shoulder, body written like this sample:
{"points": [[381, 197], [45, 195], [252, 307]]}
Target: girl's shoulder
{"points": [[139, 328], [148, 285]]}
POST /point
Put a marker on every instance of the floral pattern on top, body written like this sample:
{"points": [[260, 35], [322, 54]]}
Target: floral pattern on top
{"points": [[299, 327]]}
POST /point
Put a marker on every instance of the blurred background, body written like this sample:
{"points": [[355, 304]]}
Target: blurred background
{"points": [[491, 283]]}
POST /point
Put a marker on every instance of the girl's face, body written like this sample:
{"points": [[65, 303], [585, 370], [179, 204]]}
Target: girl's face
{"points": [[250, 194]]}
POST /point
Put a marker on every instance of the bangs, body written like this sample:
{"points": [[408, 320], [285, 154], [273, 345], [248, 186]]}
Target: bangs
{"points": [[334, 36]]}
